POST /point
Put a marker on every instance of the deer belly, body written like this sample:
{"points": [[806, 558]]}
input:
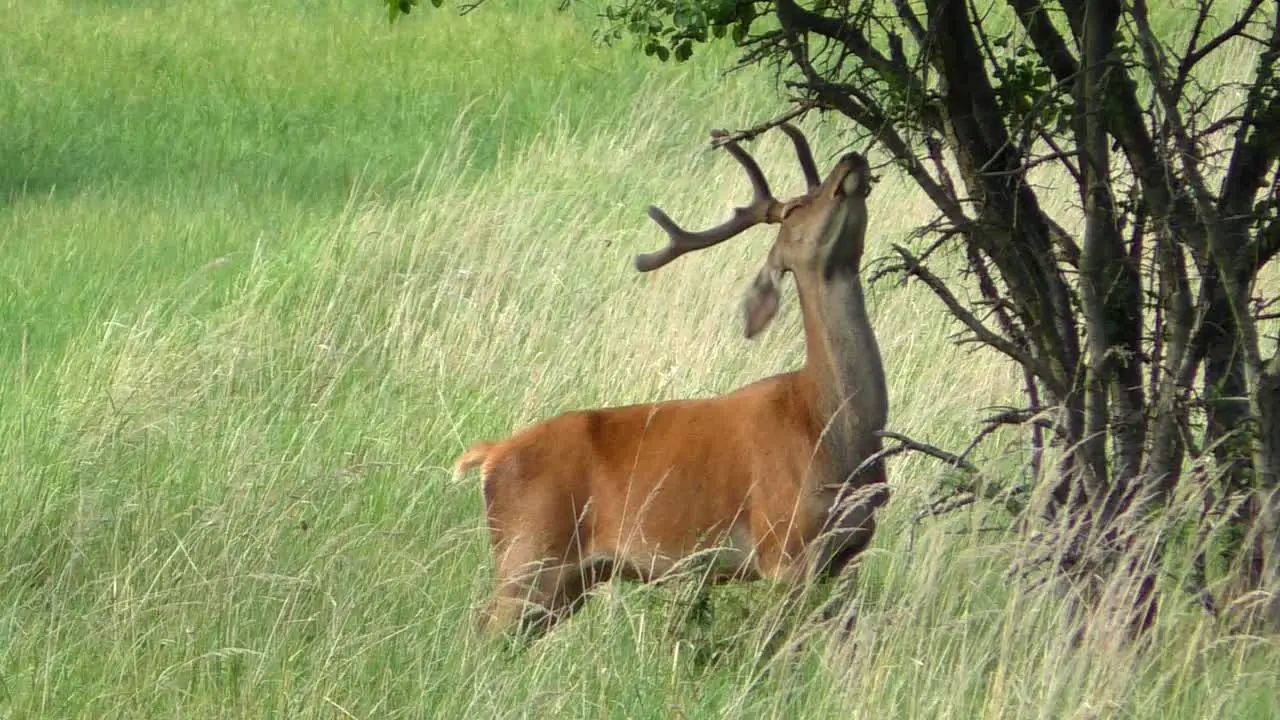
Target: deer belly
{"points": [[717, 557], [735, 556]]}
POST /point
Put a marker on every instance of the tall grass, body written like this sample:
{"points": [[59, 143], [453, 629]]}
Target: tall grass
{"points": [[267, 269]]}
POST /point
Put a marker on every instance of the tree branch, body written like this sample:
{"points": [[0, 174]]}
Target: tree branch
{"points": [[801, 108], [1124, 122], [1252, 157], [983, 334], [1194, 55], [796, 19], [905, 443], [1109, 281]]}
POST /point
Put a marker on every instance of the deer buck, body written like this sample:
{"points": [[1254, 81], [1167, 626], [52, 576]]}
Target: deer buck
{"points": [[761, 476]]}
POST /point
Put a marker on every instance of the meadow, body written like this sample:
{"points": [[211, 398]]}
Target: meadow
{"points": [[268, 267]]}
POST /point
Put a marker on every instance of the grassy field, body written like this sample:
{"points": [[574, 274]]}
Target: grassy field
{"points": [[268, 267]]}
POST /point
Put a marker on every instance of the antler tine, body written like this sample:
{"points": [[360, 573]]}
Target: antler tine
{"points": [[763, 209], [804, 154]]}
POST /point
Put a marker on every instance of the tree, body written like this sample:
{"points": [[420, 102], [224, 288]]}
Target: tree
{"points": [[1138, 336]]}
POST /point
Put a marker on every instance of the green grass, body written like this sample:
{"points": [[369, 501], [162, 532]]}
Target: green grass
{"points": [[269, 267]]}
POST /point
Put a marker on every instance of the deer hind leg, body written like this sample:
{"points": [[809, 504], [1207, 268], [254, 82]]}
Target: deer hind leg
{"points": [[533, 596], [691, 582], [805, 594], [539, 579]]}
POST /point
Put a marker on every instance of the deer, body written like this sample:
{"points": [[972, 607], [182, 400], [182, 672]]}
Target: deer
{"points": [[763, 476]]}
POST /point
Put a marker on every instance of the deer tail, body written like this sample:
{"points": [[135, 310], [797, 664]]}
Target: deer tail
{"points": [[471, 457]]}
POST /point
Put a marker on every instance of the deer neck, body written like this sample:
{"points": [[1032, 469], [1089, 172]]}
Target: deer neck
{"points": [[843, 371]]}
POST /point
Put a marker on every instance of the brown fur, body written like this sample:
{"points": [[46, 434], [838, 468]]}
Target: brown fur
{"points": [[634, 489]]}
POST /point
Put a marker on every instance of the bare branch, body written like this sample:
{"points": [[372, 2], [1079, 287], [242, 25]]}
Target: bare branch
{"points": [[944, 506], [1006, 418], [1194, 55], [794, 18], [905, 443], [1184, 68], [983, 334], [991, 294], [1124, 123], [802, 107], [938, 507], [1253, 156], [1201, 198], [836, 98], [912, 22], [1266, 244], [934, 147], [1045, 38]]}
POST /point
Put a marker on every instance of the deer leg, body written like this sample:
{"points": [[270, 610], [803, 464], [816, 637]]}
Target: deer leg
{"points": [[838, 570], [535, 597], [840, 591], [822, 570], [793, 568], [848, 532], [782, 623], [520, 601], [692, 597]]}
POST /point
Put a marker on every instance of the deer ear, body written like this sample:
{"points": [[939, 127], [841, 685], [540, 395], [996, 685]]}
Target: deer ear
{"points": [[761, 302]]}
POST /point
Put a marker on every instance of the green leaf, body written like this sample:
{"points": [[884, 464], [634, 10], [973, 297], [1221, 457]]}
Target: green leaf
{"points": [[396, 8]]}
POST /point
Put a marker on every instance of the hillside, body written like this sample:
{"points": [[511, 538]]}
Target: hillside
{"points": [[269, 267]]}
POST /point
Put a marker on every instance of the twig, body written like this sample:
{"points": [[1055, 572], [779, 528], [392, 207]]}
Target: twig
{"points": [[991, 293], [1012, 416], [934, 147], [983, 333], [905, 443], [940, 228], [1037, 432], [1195, 55], [938, 507], [883, 454], [802, 107], [946, 505]]}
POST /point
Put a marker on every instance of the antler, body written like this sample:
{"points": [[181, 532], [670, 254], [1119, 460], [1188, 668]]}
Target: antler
{"points": [[803, 154], [764, 208]]}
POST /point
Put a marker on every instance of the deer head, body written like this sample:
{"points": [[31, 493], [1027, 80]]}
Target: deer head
{"points": [[821, 232]]}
